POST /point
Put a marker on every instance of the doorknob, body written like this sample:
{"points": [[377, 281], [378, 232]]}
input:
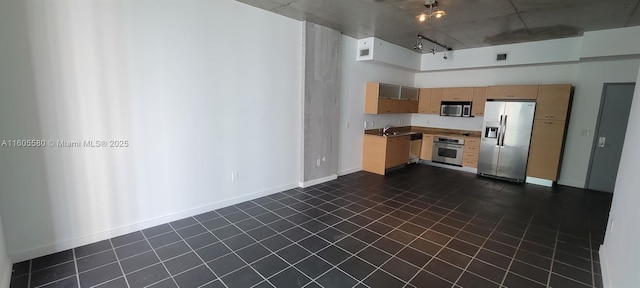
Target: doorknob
{"points": [[601, 142]]}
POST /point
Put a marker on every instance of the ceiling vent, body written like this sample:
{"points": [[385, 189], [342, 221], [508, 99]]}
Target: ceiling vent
{"points": [[365, 49], [501, 57]]}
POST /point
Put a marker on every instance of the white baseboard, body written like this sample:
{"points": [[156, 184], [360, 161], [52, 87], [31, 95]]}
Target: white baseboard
{"points": [[604, 267], [23, 255], [572, 183], [539, 181], [349, 171], [5, 276], [318, 181]]}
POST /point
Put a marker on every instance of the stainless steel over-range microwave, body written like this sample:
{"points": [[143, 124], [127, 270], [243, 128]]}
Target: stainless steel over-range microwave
{"points": [[456, 109]]}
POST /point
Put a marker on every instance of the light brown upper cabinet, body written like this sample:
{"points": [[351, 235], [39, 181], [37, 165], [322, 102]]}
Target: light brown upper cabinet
{"points": [[424, 100], [553, 102], [512, 92], [436, 99], [457, 94], [429, 100], [387, 98], [479, 99]]}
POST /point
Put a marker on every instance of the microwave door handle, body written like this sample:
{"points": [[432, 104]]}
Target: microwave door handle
{"points": [[504, 131]]}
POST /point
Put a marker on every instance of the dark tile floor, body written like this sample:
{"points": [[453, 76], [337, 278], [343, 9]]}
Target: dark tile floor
{"points": [[416, 227]]}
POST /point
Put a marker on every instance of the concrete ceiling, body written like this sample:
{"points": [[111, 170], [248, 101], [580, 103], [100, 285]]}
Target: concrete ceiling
{"points": [[468, 23]]}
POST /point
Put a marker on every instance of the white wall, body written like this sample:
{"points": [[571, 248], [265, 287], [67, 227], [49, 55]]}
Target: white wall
{"points": [[355, 76], [620, 253], [588, 78], [199, 88], [611, 42], [584, 114], [548, 51], [5, 263]]}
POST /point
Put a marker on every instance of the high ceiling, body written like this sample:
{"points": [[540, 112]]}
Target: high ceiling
{"points": [[468, 23]]}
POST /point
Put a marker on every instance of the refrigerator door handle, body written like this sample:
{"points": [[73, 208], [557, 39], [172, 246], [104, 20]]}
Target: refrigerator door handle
{"points": [[499, 132], [504, 130]]}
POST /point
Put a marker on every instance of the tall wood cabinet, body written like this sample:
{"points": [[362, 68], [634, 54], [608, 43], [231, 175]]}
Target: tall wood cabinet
{"points": [[479, 99], [549, 126]]}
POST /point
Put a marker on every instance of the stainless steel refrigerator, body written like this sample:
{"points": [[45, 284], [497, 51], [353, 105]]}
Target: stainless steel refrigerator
{"points": [[506, 133]]}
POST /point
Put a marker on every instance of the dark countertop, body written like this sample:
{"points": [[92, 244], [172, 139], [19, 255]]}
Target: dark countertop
{"points": [[408, 130]]}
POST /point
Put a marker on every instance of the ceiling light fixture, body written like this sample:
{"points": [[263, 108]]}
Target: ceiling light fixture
{"points": [[429, 4], [419, 45]]}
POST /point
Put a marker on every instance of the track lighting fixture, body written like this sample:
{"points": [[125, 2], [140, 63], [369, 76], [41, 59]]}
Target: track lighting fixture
{"points": [[419, 45]]}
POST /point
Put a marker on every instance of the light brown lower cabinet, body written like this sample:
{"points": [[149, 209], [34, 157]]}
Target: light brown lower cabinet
{"points": [[470, 152], [546, 149], [380, 153], [397, 151], [427, 147]]}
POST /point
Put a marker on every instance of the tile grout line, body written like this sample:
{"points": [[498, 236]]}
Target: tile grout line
{"points": [[377, 267], [555, 249], [513, 258], [30, 272], [164, 266], [75, 264], [313, 279], [124, 276], [194, 252], [442, 248], [593, 272], [233, 251], [480, 249], [451, 210], [417, 237], [331, 226]]}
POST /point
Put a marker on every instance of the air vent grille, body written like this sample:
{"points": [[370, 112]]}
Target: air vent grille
{"points": [[501, 57]]}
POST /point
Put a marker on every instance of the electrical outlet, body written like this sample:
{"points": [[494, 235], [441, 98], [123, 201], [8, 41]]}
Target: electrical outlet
{"points": [[347, 125], [373, 123], [585, 133], [234, 176], [366, 124], [324, 159], [318, 162]]}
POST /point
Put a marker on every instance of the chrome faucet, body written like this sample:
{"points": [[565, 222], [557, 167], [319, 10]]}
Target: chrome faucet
{"points": [[386, 129]]}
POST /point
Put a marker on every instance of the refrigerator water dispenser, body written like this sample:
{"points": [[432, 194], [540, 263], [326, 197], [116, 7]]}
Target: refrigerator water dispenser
{"points": [[491, 132]]}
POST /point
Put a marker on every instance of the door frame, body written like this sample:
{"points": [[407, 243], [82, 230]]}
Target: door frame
{"points": [[594, 143]]}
